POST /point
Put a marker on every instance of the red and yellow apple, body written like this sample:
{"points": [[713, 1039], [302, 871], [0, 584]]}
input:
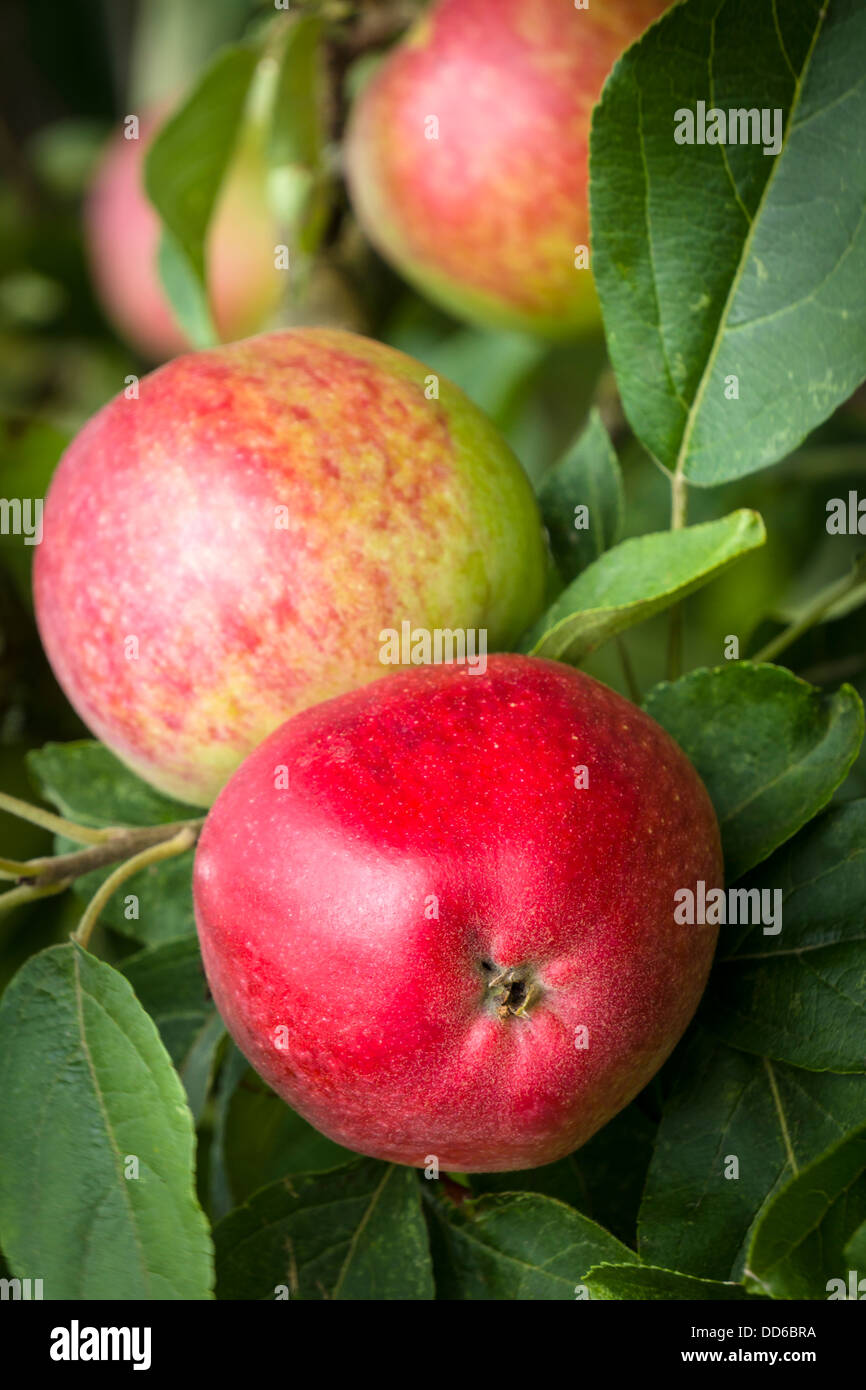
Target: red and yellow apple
{"points": [[122, 235], [468, 154], [437, 913], [227, 548]]}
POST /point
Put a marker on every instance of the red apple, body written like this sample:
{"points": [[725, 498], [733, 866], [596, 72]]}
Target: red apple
{"points": [[122, 234], [468, 154], [446, 939], [229, 548]]}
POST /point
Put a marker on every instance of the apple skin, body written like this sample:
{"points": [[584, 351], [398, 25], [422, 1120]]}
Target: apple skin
{"points": [[122, 234], [485, 219], [254, 521], [313, 911]]}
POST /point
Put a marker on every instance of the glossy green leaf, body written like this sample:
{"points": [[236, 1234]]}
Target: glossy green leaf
{"points": [[763, 287], [517, 1245], [735, 1129], [800, 995], [631, 1281], [770, 748], [170, 985], [798, 1244], [636, 579], [188, 159], [355, 1233], [588, 476], [87, 1087]]}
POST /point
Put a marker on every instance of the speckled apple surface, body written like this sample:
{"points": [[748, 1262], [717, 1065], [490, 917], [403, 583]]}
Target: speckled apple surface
{"points": [[407, 941], [227, 549], [485, 218]]}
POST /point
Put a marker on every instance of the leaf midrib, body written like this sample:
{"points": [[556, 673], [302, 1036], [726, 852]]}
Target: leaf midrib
{"points": [[97, 1090], [703, 384]]}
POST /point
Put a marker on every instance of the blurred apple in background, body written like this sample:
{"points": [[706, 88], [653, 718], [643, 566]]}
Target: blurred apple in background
{"points": [[468, 154], [122, 233]]}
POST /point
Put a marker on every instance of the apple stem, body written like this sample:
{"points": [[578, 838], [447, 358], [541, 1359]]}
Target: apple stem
{"points": [[38, 878], [679, 501], [13, 868], [29, 892], [183, 840], [58, 825], [628, 671], [812, 614], [512, 990]]}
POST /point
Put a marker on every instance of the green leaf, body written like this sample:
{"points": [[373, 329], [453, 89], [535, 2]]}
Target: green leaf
{"points": [[800, 996], [233, 1066], [765, 284], [725, 1105], [187, 161], [300, 185], [170, 985], [517, 1245], [770, 748], [263, 1139], [186, 293], [589, 475], [636, 579], [87, 1085], [198, 1066], [604, 1179], [88, 785], [354, 1233], [855, 1251], [798, 1245], [648, 1282], [297, 134]]}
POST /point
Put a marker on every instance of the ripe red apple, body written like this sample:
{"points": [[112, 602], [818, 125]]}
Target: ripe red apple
{"points": [[446, 939], [229, 548], [122, 234], [468, 154]]}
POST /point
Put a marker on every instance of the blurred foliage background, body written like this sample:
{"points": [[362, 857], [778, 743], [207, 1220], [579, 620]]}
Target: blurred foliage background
{"points": [[70, 70]]}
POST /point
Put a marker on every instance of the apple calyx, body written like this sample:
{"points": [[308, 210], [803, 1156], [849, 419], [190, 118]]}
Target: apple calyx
{"points": [[512, 991]]}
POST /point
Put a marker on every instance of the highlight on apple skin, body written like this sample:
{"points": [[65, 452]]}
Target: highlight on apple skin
{"points": [[122, 234], [226, 549], [437, 913], [468, 155]]}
